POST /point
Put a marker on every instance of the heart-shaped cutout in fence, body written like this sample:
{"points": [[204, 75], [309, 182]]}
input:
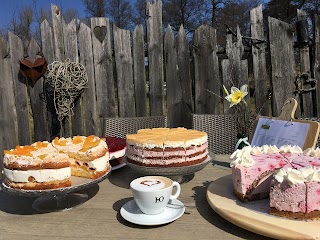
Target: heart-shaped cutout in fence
{"points": [[150, 183], [100, 32], [33, 71]]}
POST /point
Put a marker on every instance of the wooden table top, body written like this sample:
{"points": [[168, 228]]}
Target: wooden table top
{"points": [[99, 217]]}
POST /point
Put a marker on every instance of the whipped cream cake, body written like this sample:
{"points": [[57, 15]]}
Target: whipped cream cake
{"points": [[45, 165], [167, 147], [288, 175]]}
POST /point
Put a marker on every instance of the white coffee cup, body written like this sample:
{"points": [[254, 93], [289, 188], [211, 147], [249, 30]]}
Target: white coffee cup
{"points": [[153, 193]]}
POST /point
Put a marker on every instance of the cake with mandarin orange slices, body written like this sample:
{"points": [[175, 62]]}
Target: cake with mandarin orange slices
{"points": [[88, 156], [36, 167], [45, 165]]}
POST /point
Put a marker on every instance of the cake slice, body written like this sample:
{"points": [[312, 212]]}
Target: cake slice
{"points": [[89, 156], [36, 167], [252, 170], [295, 193]]}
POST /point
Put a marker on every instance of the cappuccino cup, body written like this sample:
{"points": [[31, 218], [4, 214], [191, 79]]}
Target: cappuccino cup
{"points": [[153, 193]]}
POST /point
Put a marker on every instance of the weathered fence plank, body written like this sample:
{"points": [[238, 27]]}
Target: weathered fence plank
{"points": [[139, 71], [8, 127], [91, 123], [184, 77], [305, 98], [261, 78], [103, 68], [206, 69], [20, 89], [173, 88], [234, 70], [282, 62], [155, 56], [37, 101], [48, 53], [58, 37], [316, 60], [123, 59], [73, 124]]}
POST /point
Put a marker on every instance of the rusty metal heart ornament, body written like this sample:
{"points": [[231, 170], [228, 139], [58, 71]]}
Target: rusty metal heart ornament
{"points": [[33, 71]]}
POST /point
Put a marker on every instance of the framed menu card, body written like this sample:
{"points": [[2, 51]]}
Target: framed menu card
{"points": [[271, 131]]}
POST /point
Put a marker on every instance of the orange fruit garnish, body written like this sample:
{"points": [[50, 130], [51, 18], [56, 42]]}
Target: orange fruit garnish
{"points": [[61, 142], [77, 139], [90, 142]]}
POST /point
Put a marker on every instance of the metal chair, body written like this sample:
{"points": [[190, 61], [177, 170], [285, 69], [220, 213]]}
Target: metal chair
{"points": [[221, 130], [120, 126]]}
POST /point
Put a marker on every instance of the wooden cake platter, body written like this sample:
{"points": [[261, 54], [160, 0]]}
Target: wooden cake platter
{"points": [[254, 216]]}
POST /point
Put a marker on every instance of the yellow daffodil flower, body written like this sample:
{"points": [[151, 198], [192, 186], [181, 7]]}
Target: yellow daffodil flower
{"points": [[237, 95]]}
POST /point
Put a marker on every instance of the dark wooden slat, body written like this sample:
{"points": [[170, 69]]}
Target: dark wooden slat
{"points": [[8, 119], [155, 56], [20, 89], [282, 62], [261, 78], [89, 97], [316, 60], [123, 58], [139, 72], [103, 66], [38, 105], [206, 70], [306, 98]]}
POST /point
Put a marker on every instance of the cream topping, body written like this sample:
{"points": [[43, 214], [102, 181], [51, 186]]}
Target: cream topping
{"points": [[298, 176], [290, 149], [43, 175], [242, 157], [312, 152]]}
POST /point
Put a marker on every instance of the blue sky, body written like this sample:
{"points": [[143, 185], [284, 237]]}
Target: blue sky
{"points": [[8, 7]]}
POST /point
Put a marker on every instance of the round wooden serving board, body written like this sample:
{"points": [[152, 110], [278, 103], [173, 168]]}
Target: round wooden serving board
{"points": [[254, 216]]}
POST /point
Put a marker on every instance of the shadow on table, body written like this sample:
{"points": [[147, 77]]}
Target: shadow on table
{"points": [[117, 206], [123, 176], [23, 205], [212, 217]]}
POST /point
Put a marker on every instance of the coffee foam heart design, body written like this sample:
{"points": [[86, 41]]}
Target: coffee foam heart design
{"points": [[150, 183]]}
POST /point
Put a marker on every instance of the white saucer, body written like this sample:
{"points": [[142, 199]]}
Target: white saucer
{"points": [[131, 212]]}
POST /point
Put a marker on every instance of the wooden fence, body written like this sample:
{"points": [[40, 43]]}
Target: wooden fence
{"points": [[122, 84]]}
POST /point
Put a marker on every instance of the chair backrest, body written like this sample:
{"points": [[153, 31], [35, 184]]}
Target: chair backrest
{"points": [[120, 126], [221, 130]]}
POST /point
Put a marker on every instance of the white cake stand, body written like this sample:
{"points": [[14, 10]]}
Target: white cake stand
{"points": [[178, 174], [59, 199]]}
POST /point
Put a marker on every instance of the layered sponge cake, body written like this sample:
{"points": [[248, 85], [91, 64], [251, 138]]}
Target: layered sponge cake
{"points": [[45, 165], [167, 147], [39, 166], [88, 156]]}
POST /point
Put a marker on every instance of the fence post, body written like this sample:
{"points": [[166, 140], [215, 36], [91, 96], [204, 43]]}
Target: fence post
{"points": [[123, 58], [103, 68], [316, 60], [139, 71], [155, 56], [8, 114], [302, 28], [261, 78], [282, 62], [206, 68]]}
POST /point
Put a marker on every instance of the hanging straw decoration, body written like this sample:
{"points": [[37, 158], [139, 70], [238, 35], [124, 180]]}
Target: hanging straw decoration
{"points": [[67, 80]]}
